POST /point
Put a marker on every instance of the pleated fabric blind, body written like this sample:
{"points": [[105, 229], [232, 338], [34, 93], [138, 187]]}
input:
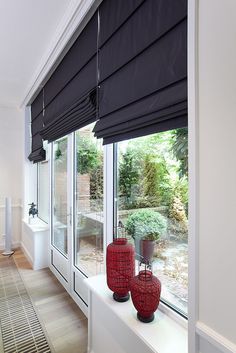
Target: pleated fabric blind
{"points": [[70, 95], [37, 154], [142, 68]]}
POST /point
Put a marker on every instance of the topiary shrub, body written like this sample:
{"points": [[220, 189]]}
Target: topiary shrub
{"points": [[142, 223]]}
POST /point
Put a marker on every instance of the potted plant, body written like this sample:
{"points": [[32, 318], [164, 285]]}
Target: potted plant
{"points": [[146, 227], [147, 245]]}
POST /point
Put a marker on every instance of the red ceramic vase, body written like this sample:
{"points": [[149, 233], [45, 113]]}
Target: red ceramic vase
{"points": [[145, 293], [120, 268]]}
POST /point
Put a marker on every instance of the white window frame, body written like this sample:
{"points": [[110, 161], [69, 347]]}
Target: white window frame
{"points": [[68, 262], [164, 306], [108, 226], [38, 188]]}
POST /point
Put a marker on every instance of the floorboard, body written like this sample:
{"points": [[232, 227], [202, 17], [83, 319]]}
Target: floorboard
{"points": [[64, 323]]}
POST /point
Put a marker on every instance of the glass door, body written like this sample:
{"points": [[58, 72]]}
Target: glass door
{"points": [[88, 232], [77, 212], [61, 210]]}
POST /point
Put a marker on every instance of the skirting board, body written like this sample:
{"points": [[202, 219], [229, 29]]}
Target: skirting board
{"points": [[214, 338], [15, 245]]}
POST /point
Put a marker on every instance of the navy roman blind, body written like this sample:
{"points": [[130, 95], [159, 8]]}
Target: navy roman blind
{"points": [[70, 95], [37, 154], [142, 68]]}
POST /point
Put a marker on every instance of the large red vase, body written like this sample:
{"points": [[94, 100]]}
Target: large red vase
{"points": [[120, 268], [145, 293]]}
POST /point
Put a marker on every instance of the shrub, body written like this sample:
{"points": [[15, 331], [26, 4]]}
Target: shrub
{"points": [[180, 149], [88, 157], [178, 220], [96, 182], [178, 229], [128, 175], [177, 210], [156, 181], [147, 202], [150, 175], [144, 222]]}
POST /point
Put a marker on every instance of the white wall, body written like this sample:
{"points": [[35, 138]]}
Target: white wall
{"points": [[206, 347], [30, 169], [217, 173], [11, 167]]}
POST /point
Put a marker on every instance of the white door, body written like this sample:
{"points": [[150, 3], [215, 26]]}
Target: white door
{"points": [[61, 218], [79, 216]]}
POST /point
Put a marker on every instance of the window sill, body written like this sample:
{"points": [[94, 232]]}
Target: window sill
{"points": [[166, 334], [37, 225]]}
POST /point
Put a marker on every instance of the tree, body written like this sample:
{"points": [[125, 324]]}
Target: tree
{"points": [[150, 183], [180, 149], [128, 175], [96, 182], [88, 156]]}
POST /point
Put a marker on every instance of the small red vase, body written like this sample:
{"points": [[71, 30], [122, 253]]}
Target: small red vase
{"points": [[120, 268], [145, 293]]}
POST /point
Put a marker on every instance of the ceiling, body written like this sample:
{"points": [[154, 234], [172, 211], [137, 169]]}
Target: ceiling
{"points": [[27, 30]]}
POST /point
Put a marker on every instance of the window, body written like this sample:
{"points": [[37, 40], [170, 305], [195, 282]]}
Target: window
{"points": [[43, 191], [89, 202], [59, 196], [151, 202], [43, 188]]}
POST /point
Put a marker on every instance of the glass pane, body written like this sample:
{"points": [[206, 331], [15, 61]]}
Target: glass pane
{"points": [[60, 195], [89, 202], [43, 191], [151, 205]]}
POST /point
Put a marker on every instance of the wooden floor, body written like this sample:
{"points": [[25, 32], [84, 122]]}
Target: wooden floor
{"points": [[64, 322]]}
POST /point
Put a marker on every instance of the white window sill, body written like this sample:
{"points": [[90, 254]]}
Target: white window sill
{"points": [[36, 225], [166, 334]]}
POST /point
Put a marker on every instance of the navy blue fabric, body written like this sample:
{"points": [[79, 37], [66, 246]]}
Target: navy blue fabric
{"points": [[142, 68], [70, 93], [37, 152]]}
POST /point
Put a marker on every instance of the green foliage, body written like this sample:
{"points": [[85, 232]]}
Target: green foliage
{"points": [[141, 223], [150, 174], [177, 210], [180, 149], [128, 176], [151, 236], [157, 181], [58, 153], [88, 156], [153, 170], [159, 144], [180, 190], [90, 161], [145, 202], [96, 183]]}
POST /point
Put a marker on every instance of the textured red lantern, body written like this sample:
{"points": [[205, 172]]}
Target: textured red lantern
{"points": [[120, 268], [145, 293]]}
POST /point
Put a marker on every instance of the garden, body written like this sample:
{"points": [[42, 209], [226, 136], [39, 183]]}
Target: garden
{"points": [[151, 203]]}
